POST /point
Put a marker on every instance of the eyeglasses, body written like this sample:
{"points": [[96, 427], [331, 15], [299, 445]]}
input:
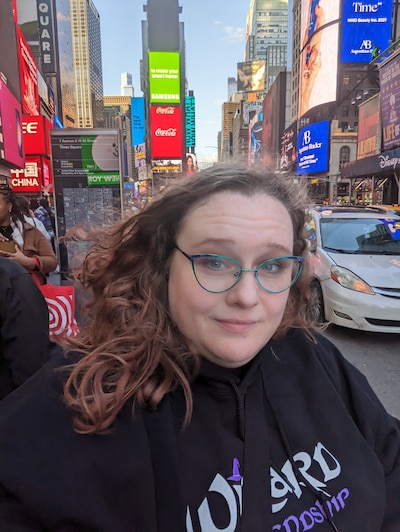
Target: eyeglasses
{"points": [[218, 273]]}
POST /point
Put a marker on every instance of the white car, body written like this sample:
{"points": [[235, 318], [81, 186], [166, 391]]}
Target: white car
{"points": [[355, 257]]}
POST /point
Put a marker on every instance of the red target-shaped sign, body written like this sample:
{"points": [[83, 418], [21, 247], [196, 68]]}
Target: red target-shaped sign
{"points": [[60, 301]]}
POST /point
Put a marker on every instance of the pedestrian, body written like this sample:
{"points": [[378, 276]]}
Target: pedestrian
{"points": [[29, 216], [42, 213], [29, 247], [24, 327], [198, 397]]}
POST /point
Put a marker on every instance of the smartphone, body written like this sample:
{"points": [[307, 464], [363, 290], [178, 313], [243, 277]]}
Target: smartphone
{"points": [[7, 246]]}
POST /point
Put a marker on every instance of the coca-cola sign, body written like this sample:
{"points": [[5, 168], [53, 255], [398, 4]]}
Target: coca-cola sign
{"points": [[165, 110], [170, 132], [166, 132]]}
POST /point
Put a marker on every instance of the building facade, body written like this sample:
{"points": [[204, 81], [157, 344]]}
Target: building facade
{"points": [[86, 46]]}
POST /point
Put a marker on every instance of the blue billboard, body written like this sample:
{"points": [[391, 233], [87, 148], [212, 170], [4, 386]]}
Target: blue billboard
{"points": [[138, 121], [364, 26], [313, 148]]}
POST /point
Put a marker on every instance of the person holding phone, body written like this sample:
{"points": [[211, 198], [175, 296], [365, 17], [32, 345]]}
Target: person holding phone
{"points": [[198, 396], [21, 242]]}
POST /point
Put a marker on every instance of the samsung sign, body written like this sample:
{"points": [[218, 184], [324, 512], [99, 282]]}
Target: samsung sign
{"points": [[364, 25], [313, 148]]}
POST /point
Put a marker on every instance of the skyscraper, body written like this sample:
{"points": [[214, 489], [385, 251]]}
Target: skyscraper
{"points": [[266, 35], [126, 85], [86, 45]]}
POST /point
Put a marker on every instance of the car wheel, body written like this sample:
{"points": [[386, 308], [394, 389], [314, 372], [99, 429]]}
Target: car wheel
{"points": [[316, 311]]}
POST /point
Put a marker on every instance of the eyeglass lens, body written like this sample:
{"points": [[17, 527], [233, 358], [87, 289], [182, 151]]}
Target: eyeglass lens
{"points": [[218, 273]]}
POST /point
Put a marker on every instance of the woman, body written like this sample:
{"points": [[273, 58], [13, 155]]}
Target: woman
{"points": [[32, 249], [198, 398], [29, 216]]}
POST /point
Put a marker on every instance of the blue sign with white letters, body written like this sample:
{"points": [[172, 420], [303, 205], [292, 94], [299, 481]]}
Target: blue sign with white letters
{"points": [[365, 24], [313, 148]]}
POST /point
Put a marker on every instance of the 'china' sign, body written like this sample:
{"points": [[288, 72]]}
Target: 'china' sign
{"points": [[166, 132]]}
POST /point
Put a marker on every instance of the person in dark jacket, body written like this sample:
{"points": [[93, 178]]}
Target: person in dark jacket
{"points": [[198, 396], [24, 327]]}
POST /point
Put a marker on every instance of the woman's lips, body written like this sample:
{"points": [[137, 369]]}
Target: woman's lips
{"points": [[238, 326]]}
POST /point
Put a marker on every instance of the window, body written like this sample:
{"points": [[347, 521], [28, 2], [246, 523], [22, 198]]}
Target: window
{"points": [[344, 155]]}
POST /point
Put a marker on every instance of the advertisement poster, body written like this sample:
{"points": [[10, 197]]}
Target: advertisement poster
{"points": [[92, 156], [288, 147], [313, 148], [389, 75], [138, 121], [363, 27], [28, 77], [166, 132], [164, 77], [319, 53], [368, 137], [251, 76]]}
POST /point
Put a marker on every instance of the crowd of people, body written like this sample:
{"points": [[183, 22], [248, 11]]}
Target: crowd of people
{"points": [[26, 234], [198, 395]]}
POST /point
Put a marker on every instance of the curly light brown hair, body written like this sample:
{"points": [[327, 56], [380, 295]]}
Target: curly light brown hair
{"points": [[130, 347]]}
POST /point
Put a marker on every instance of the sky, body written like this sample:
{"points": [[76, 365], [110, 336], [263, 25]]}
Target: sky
{"points": [[215, 42]]}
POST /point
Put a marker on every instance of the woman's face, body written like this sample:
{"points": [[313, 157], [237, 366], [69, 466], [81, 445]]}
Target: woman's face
{"points": [[230, 328], [5, 208]]}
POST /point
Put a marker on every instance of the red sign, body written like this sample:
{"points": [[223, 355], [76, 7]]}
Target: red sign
{"points": [[35, 131], [166, 132], [28, 77], [35, 177], [28, 179]]}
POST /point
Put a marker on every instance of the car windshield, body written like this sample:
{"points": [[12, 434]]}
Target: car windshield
{"points": [[361, 235]]}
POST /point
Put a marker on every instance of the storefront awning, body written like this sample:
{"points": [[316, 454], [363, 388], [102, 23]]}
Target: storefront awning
{"points": [[385, 163]]}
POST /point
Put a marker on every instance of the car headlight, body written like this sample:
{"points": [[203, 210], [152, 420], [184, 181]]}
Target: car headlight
{"points": [[349, 280]]}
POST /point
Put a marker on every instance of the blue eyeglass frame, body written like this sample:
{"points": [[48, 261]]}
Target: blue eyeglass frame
{"points": [[300, 260]]}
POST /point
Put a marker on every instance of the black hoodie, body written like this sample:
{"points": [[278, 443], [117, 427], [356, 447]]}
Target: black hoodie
{"points": [[294, 441]]}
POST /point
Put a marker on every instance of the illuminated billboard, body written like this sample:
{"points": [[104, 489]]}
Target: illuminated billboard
{"points": [[319, 53], [190, 113], [166, 132], [368, 138], [251, 76], [313, 148], [11, 145], [94, 157], [138, 121], [288, 147], [28, 77], [164, 77], [36, 137], [389, 75], [35, 177], [364, 25]]}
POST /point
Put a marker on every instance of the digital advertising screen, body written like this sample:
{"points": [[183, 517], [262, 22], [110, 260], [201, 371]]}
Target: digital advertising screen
{"points": [[8, 46], [36, 137], [94, 157], [138, 121], [288, 147], [164, 77], [166, 132], [251, 76], [28, 77], [313, 148], [389, 75], [368, 137], [11, 143], [363, 27], [190, 114], [319, 53]]}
